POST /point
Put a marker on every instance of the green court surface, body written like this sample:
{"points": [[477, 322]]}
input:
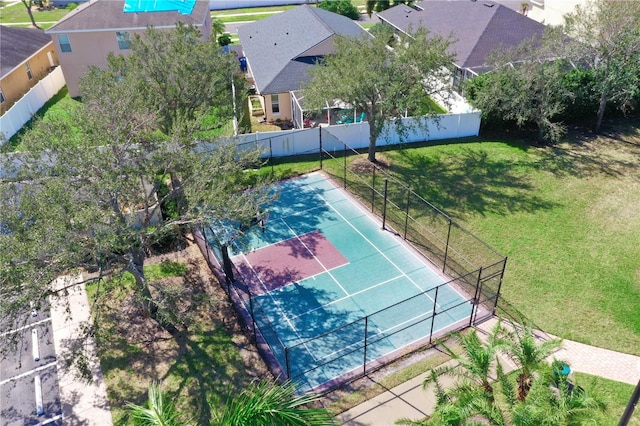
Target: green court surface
{"points": [[321, 323]]}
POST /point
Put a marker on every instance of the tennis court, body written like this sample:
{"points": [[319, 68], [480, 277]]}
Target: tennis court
{"points": [[332, 291]]}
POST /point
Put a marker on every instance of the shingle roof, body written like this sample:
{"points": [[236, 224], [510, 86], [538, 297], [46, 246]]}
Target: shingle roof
{"points": [[108, 15], [275, 47], [19, 44], [477, 27]]}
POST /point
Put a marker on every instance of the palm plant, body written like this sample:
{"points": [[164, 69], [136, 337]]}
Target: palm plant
{"points": [[476, 362], [262, 403], [270, 403], [217, 27], [521, 346], [157, 412]]}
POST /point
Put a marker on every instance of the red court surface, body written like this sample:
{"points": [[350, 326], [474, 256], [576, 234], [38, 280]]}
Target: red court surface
{"points": [[288, 261]]}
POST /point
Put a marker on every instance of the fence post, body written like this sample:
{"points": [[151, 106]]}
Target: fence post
{"points": [[364, 360], [373, 190], [495, 305], [345, 165], [320, 143], [406, 218], [475, 300], [286, 360], [253, 318], [271, 155], [384, 204], [433, 315], [446, 247]]}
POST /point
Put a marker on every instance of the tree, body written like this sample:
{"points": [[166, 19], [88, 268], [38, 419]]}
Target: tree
{"points": [[521, 346], [217, 27], [341, 7], [380, 5], [178, 75], [607, 38], [525, 86], [262, 403], [86, 195], [29, 4], [366, 73]]}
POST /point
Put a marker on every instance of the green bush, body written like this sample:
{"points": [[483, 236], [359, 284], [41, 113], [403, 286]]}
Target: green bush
{"points": [[341, 7], [71, 6]]}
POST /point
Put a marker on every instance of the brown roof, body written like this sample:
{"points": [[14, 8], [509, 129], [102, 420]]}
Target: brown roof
{"points": [[19, 44], [108, 15]]}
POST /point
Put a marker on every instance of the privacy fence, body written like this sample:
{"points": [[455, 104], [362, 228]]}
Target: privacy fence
{"points": [[475, 271]]}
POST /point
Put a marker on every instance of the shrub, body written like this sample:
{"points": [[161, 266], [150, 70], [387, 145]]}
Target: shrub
{"points": [[341, 7], [71, 6]]}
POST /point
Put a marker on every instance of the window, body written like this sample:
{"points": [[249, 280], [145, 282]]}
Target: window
{"points": [[2, 99], [63, 41], [124, 40], [275, 104], [28, 68]]}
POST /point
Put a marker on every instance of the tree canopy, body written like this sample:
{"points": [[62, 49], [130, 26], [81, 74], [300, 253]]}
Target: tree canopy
{"points": [[383, 82], [91, 190], [341, 7], [607, 36]]}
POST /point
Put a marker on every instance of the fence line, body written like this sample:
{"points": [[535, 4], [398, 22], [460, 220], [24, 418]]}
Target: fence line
{"points": [[24, 109]]}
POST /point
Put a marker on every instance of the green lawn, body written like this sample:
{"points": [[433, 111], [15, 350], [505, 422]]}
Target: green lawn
{"points": [[17, 13], [616, 395], [567, 217]]}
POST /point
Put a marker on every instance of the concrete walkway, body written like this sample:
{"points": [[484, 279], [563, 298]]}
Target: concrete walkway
{"points": [[409, 400], [82, 403]]}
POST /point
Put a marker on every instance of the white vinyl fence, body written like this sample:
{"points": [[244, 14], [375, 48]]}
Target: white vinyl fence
{"points": [[356, 135], [22, 111]]}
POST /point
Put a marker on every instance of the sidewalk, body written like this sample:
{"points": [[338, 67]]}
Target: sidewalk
{"points": [[82, 403], [409, 400]]}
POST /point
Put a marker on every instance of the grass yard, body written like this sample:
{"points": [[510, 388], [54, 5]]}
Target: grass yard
{"points": [[17, 13], [198, 368], [568, 218]]}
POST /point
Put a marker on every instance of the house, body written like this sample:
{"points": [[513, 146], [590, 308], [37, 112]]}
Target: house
{"points": [[86, 35], [477, 28], [281, 49], [26, 55]]}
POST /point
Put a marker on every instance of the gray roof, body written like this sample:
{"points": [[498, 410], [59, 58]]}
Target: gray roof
{"points": [[19, 44], [275, 47], [476, 27], [108, 15]]}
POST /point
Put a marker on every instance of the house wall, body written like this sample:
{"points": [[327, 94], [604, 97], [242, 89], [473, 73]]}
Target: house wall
{"points": [[285, 107], [17, 83], [92, 48], [87, 49]]}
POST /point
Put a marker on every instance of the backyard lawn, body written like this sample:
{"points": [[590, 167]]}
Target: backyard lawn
{"points": [[567, 217], [17, 13]]}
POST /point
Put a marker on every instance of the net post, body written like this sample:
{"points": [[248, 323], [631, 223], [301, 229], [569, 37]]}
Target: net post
{"points": [[446, 247], [364, 360], [286, 360], [373, 190], [384, 204], [406, 217], [320, 144], [433, 315]]}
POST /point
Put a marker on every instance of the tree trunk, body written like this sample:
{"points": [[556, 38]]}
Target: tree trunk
{"points": [[603, 105], [27, 4], [372, 136], [136, 267]]}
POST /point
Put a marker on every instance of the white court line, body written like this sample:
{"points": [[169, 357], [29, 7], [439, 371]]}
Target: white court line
{"points": [[33, 324], [25, 374], [376, 247], [275, 302], [317, 260]]}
